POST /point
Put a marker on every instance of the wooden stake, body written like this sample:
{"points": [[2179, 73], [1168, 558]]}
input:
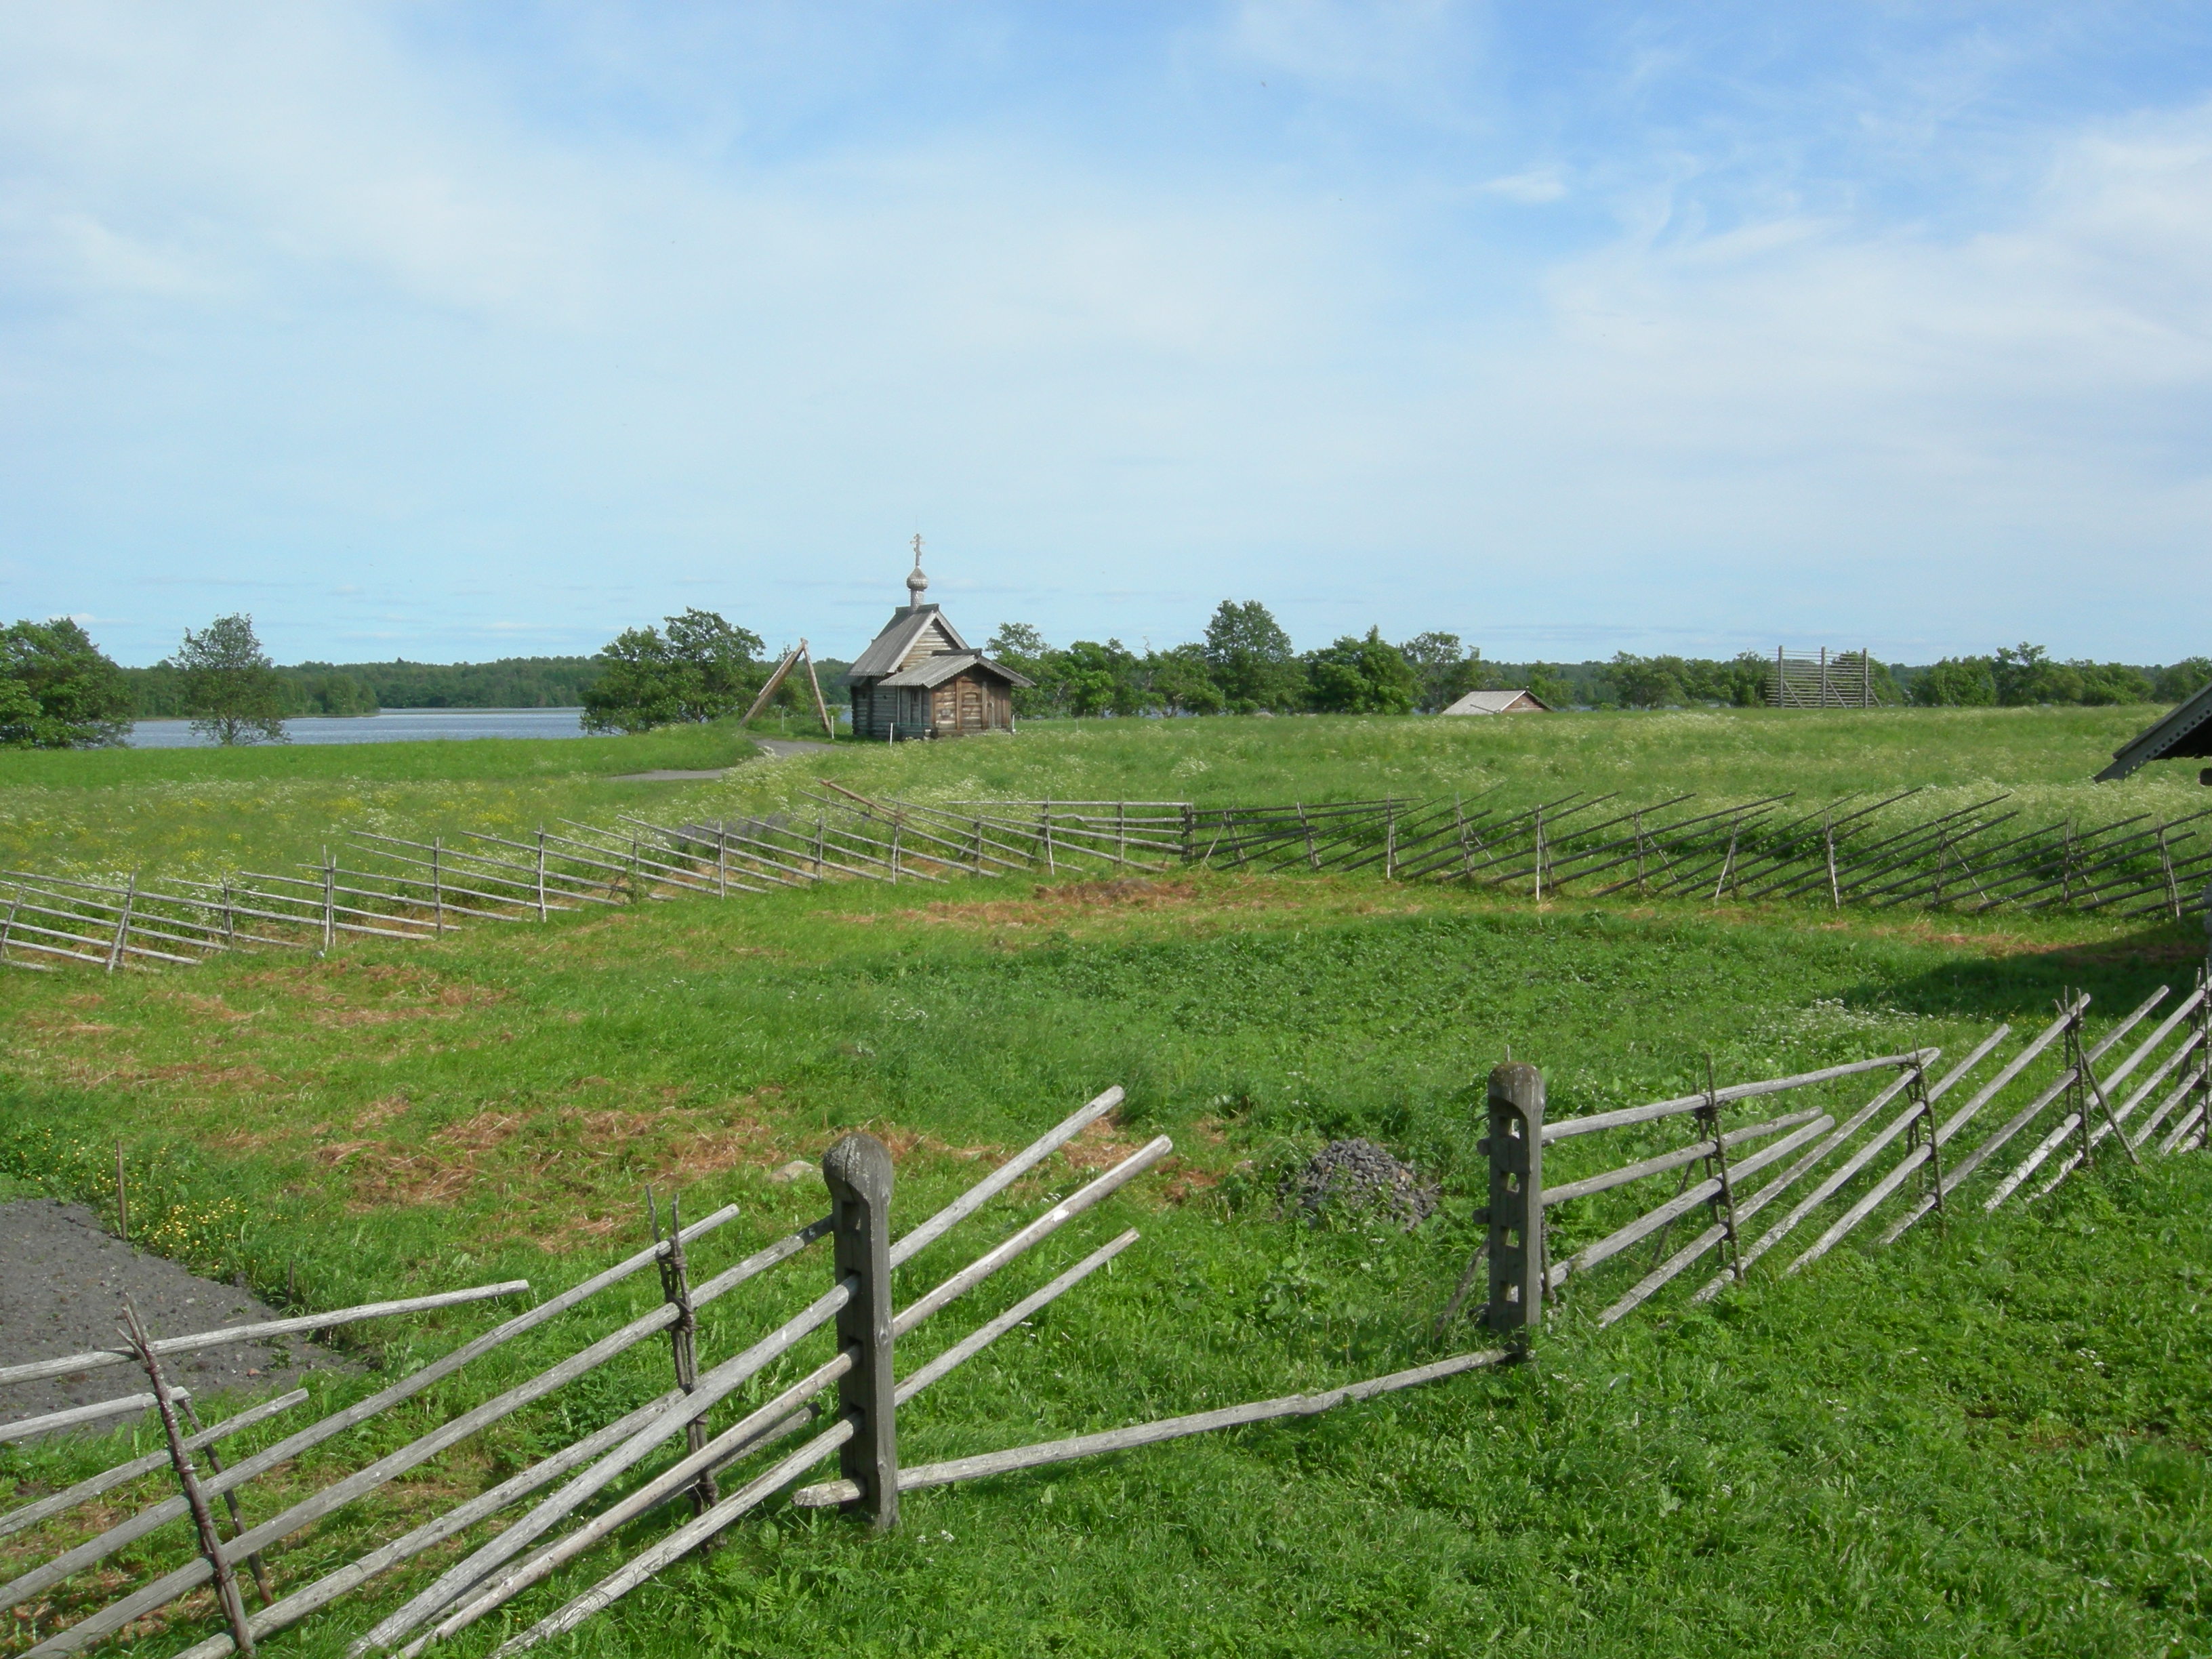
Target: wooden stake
{"points": [[775, 680], [1717, 1167], [682, 1338], [226, 1582], [229, 1499], [123, 925]]}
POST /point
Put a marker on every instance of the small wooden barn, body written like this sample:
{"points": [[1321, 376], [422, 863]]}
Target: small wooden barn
{"points": [[919, 678], [1499, 702]]}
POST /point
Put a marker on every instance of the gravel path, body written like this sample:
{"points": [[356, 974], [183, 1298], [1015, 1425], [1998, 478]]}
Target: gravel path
{"points": [[62, 1293]]}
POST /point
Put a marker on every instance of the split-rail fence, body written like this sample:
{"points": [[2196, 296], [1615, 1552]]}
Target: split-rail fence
{"points": [[1866, 852], [2007, 1123]]}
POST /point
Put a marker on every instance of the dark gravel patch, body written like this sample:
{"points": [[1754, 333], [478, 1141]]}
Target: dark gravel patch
{"points": [[61, 1292], [1353, 1180]]}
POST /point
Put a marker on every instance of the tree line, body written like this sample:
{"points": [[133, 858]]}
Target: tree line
{"points": [[1245, 664], [362, 688], [59, 690], [2022, 674]]}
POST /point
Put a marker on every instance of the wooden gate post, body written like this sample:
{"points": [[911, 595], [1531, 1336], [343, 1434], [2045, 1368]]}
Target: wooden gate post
{"points": [[1516, 1148], [858, 1171]]}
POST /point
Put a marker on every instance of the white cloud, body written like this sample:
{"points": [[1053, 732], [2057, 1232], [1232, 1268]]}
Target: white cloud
{"points": [[1535, 186]]}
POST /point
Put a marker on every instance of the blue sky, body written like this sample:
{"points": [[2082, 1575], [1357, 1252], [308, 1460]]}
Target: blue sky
{"points": [[454, 331]]}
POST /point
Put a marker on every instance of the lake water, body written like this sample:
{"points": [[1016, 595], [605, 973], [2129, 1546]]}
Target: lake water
{"points": [[387, 726]]}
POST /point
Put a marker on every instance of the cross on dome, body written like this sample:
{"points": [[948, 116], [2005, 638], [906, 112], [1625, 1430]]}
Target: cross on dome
{"points": [[916, 583]]}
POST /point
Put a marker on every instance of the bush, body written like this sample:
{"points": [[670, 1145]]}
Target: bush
{"points": [[59, 690], [700, 669]]}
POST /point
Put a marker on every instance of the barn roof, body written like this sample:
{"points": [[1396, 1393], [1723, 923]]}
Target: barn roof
{"points": [[2186, 732], [890, 648], [947, 665], [1497, 703]]}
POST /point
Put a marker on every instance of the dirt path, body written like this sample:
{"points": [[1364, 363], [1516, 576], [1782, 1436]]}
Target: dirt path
{"points": [[775, 748], [62, 1292]]}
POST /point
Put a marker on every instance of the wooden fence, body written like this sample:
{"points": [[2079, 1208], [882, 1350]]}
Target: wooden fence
{"points": [[671, 1429], [1875, 852], [1821, 679], [1756, 1166], [2060, 1097]]}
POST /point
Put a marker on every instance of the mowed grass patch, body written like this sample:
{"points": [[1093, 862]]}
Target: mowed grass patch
{"points": [[1913, 1452]]}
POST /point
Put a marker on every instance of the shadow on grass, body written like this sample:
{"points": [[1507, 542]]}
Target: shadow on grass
{"points": [[2117, 973]]}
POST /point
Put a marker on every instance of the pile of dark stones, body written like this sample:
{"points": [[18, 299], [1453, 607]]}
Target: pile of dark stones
{"points": [[1353, 1181]]}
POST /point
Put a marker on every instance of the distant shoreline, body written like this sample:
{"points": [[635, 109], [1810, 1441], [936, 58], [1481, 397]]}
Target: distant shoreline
{"points": [[401, 708], [384, 725]]}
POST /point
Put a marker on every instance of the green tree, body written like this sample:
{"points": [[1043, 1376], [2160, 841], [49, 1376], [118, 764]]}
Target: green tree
{"points": [[700, 669], [1446, 671], [1025, 650], [2103, 684], [1181, 681], [1359, 675], [1646, 682], [231, 689], [1251, 658], [1957, 683], [59, 690], [1099, 679], [2025, 674], [2179, 681], [1550, 687]]}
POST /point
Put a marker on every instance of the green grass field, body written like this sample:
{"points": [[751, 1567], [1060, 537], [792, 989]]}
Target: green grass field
{"points": [[1986, 1441]]}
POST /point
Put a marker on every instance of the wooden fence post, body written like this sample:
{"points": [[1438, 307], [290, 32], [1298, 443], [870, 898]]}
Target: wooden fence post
{"points": [[438, 883], [1723, 1203], [858, 1171], [684, 1338], [225, 1582], [123, 925], [1516, 1148], [229, 1499], [330, 902]]}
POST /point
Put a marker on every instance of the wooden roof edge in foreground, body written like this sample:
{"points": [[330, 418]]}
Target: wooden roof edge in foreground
{"points": [[2186, 732]]}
